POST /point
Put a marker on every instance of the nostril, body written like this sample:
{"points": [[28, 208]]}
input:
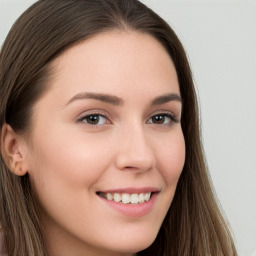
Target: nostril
{"points": [[136, 168], [137, 158]]}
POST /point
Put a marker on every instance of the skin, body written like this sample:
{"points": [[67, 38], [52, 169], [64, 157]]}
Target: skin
{"points": [[69, 160]]}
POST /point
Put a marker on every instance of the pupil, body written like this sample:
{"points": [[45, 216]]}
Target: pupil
{"points": [[93, 119], [159, 119]]}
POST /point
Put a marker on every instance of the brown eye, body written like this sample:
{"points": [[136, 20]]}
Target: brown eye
{"points": [[162, 119], [159, 119], [95, 119]]}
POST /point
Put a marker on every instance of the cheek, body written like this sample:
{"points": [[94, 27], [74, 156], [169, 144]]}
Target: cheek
{"points": [[171, 157], [69, 160], [64, 172]]}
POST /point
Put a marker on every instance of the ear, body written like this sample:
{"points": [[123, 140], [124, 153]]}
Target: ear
{"points": [[13, 150]]}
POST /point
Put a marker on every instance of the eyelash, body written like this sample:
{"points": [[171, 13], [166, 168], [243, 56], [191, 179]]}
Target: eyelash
{"points": [[96, 117], [172, 118]]}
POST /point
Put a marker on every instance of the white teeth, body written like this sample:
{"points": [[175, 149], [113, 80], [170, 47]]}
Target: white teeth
{"points": [[126, 198], [109, 196], [134, 198], [117, 197], [147, 196], [141, 198]]}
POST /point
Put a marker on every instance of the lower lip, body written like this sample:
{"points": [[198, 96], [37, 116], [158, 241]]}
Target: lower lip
{"points": [[133, 210]]}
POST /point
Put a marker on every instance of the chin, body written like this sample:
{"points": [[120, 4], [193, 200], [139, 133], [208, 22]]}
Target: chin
{"points": [[133, 244]]}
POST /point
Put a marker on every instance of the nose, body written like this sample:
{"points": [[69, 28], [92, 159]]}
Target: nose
{"points": [[134, 150]]}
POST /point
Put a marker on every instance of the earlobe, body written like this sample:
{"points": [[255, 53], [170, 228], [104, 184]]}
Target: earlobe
{"points": [[12, 149]]}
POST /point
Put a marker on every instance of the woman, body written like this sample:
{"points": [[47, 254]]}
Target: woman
{"points": [[100, 142]]}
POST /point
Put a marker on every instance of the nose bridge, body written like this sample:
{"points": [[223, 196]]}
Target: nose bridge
{"points": [[135, 150]]}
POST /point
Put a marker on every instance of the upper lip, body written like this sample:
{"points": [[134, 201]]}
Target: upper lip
{"points": [[131, 190]]}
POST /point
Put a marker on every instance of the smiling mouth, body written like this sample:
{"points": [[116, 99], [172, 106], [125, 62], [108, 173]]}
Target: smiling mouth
{"points": [[126, 198]]}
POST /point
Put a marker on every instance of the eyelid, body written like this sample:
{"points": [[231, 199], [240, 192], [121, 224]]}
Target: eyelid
{"points": [[91, 113], [169, 114], [164, 112], [174, 117]]}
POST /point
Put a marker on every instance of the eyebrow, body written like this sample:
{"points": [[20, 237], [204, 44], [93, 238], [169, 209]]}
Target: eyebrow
{"points": [[111, 99], [114, 100], [166, 98]]}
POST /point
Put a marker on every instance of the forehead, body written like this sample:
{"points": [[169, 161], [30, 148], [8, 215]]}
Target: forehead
{"points": [[116, 62]]}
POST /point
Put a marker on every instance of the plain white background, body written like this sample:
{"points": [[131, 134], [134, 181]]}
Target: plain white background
{"points": [[220, 39]]}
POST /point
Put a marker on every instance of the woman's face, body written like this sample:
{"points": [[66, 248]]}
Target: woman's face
{"points": [[107, 130]]}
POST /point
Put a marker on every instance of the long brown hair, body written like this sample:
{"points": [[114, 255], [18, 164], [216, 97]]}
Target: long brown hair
{"points": [[194, 224]]}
